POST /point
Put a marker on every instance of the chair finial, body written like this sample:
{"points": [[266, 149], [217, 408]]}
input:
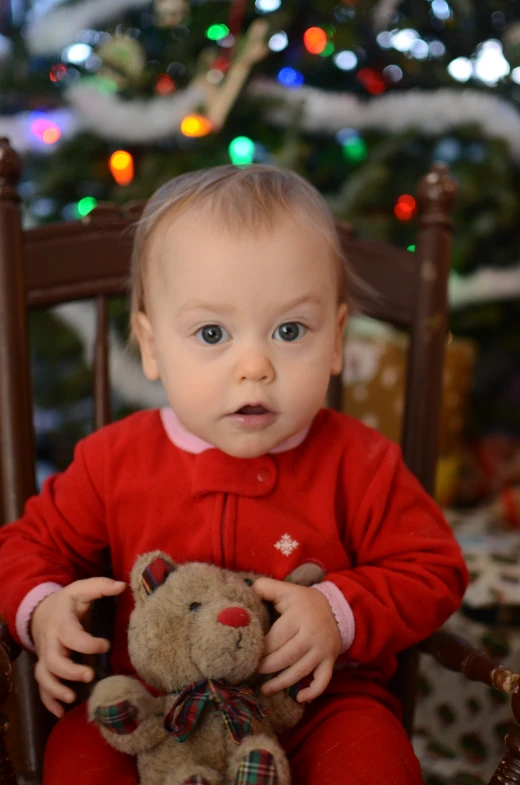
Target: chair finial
{"points": [[437, 191], [10, 170]]}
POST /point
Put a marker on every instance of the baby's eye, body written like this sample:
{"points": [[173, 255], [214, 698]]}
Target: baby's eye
{"points": [[212, 334], [195, 606], [290, 331]]}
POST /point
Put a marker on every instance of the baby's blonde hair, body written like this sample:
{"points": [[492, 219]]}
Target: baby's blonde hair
{"points": [[251, 198]]}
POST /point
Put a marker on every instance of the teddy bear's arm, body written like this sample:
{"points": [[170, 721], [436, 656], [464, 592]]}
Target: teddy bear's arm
{"points": [[129, 718], [283, 711]]}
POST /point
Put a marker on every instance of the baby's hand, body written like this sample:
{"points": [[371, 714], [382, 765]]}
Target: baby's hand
{"points": [[305, 639], [56, 631]]}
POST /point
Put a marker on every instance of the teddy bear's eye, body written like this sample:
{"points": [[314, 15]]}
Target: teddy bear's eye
{"points": [[249, 581], [195, 606]]}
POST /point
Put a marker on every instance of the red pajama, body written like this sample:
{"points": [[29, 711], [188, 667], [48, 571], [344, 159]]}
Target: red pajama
{"points": [[342, 498], [352, 739]]}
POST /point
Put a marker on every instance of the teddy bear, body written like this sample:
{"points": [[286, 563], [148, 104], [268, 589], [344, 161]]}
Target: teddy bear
{"points": [[196, 635]]}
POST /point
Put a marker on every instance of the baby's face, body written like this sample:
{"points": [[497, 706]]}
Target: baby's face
{"points": [[243, 330]]}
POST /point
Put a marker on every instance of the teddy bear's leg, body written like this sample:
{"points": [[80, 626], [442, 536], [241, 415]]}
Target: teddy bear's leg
{"points": [[129, 718], [259, 760], [192, 774]]}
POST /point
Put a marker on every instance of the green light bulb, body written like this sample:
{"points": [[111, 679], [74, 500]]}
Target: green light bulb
{"points": [[241, 150], [85, 205], [354, 149], [216, 32]]}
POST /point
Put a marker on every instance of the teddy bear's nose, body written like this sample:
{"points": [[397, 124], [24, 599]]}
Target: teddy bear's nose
{"points": [[234, 617]]}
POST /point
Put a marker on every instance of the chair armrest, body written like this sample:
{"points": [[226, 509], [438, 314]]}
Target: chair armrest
{"points": [[456, 654]]}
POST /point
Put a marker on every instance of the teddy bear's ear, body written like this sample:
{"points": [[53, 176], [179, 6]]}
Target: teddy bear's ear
{"points": [[306, 574], [149, 572]]}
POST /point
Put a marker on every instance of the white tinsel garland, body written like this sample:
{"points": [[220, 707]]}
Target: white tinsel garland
{"points": [[126, 377], [430, 112], [433, 113], [57, 29], [134, 121]]}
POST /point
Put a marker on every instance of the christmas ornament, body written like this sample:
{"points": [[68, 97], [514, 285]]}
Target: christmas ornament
{"points": [[221, 98], [123, 59], [169, 13]]}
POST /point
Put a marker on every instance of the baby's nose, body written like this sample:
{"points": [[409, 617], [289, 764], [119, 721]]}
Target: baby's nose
{"points": [[234, 617]]}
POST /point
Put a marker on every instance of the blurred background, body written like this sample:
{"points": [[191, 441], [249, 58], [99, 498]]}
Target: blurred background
{"points": [[106, 99]]}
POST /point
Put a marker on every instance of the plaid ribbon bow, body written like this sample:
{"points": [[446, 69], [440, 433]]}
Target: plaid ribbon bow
{"points": [[237, 705]]}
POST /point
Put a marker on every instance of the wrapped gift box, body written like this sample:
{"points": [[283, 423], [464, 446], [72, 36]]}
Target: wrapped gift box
{"points": [[374, 374]]}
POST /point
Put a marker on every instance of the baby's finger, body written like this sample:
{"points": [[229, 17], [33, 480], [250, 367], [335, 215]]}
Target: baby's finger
{"points": [[51, 685], [291, 675], [321, 677], [271, 590], [285, 656], [74, 637], [51, 704], [93, 588], [282, 631], [63, 667]]}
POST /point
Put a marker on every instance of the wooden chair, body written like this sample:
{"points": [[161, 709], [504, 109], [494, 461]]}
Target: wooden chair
{"points": [[90, 259]]}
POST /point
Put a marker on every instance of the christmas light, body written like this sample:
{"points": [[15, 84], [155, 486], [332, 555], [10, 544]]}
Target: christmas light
{"points": [[266, 6], [164, 84], [86, 205], [420, 49], [58, 72], [45, 130], [437, 48], [76, 53], [490, 64], [411, 248], [315, 40], [460, 69], [405, 207], [328, 49], [241, 150], [441, 9], [278, 41], [354, 148], [384, 39], [345, 60], [403, 40], [392, 73], [195, 125], [371, 80], [216, 32], [121, 165], [290, 77]]}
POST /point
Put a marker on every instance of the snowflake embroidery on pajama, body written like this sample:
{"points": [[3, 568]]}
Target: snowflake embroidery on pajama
{"points": [[286, 544]]}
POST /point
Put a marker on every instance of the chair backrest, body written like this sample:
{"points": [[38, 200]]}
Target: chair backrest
{"points": [[44, 266]]}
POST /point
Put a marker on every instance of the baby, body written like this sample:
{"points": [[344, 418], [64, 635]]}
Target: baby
{"points": [[239, 303]]}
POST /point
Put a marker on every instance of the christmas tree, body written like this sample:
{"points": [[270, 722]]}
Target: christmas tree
{"points": [[106, 99]]}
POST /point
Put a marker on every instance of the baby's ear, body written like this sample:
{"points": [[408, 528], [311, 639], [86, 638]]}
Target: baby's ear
{"points": [[149, 572], [306, 574]]}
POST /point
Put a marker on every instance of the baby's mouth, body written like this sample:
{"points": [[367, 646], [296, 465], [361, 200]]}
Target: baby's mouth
{"points": [[253, 410]]}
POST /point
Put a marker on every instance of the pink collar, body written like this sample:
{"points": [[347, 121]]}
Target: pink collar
{"points": [[187, 441]]}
